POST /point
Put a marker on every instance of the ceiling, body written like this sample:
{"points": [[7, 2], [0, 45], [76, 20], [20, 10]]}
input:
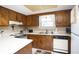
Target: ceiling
{"points": [[34, 9], [40, 7]]}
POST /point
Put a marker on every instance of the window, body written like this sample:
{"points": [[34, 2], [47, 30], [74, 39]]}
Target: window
{"points": [[47, 20]]}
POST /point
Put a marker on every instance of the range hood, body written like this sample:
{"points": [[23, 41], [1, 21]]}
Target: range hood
{"points": [[15, 23]]}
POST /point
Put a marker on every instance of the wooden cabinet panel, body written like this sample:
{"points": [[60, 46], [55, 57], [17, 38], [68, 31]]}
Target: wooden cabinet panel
{"points": [[0, 18], [62, 18], [4, 20], [47, 42], [67, 19], [24, 20], [42, 41], [59, 19], [25, 50], [19, 17], [35, 20], [32, 20], [34, 38], [12, 15], [28, 21]]}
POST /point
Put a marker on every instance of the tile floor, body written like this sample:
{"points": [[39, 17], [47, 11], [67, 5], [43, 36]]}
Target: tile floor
{"points": [[40, 51]]}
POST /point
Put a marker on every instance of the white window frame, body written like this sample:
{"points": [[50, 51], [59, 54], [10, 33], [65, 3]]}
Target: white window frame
{"points": [[53, 20]]}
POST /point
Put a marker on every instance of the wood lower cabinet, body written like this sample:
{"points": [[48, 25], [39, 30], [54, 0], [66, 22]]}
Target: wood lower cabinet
{"points": [[42, 41], [47, 42], [4, 20], [25, 50]]}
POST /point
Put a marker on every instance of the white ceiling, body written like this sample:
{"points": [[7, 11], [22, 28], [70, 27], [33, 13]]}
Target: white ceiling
{"points": [[22, 9]]}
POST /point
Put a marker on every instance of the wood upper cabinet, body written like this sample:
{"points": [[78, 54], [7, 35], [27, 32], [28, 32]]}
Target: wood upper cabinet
{"points": [[42, 41], [12, 15], [32, 20], [24, 18], [19, 17], [63, 18], [35, 20], [28, 21], [4, 20]]}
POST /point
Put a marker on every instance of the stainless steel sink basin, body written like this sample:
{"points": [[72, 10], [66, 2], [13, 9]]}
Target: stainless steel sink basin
{"points": [[18, 35], [45, 33]]}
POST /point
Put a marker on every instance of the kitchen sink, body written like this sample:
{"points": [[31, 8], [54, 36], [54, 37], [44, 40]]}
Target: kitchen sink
{"points": [[18, 35], [45, 33]]}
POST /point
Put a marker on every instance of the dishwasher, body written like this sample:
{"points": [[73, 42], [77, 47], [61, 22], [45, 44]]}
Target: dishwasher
{"points": [[60, 44]]}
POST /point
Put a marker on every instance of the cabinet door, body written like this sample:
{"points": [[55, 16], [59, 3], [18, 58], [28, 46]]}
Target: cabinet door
{"points": [[24, 20], [35, 20], [67, 19], [0, 16], [19, 17], [36, 40], [12, 15], [33, 37], [47, 43], [42, 42], [59, 19], [63, 18], [4, 16], [28, 21], [32, 20]]}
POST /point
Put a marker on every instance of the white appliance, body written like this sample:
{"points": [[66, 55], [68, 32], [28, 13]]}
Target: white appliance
{"points": [[61, 45], [75, 30]]}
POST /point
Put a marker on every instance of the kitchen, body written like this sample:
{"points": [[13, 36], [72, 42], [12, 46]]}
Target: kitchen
{"points": [[34, 31]]}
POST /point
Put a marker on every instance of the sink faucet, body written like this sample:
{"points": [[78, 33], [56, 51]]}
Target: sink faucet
{"points": [[46, 31]]}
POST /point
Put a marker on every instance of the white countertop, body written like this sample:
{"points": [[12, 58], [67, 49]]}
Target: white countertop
{"points": [[60, 34], [11, 45]]}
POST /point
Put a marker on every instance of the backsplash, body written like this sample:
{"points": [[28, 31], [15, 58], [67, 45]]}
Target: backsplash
{"points": [[58, 29], [37, 29], [7, 31]]}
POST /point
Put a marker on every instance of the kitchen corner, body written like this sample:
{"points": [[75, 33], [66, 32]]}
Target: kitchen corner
{"points": [[10, 45], [38, 33]]}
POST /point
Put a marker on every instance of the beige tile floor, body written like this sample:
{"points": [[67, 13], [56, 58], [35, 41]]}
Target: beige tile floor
{"points": [[40, 51]]}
